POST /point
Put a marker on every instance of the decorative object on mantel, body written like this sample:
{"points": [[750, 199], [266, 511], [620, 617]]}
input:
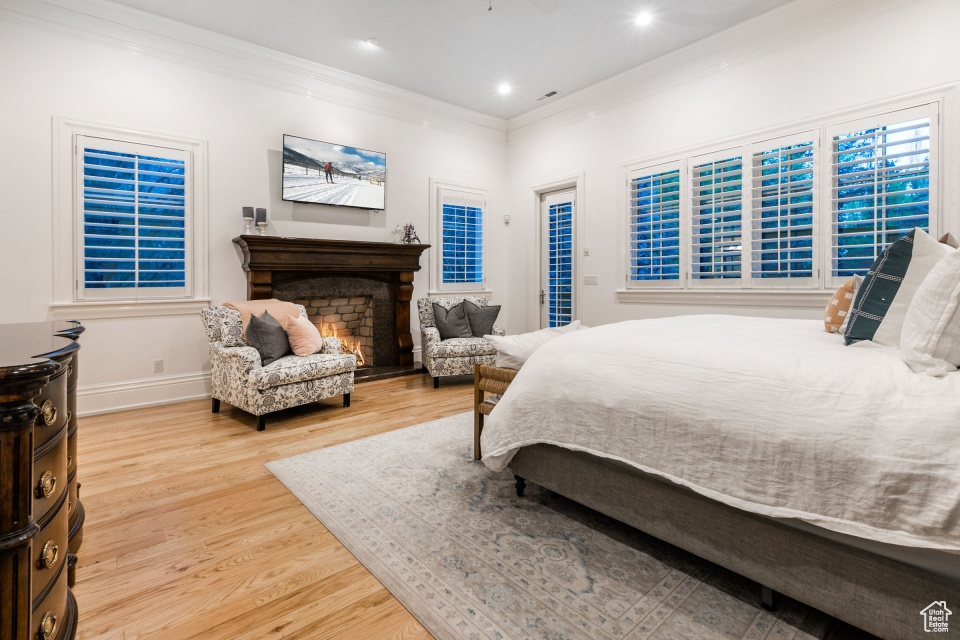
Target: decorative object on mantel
{"points": [[398, 233], [262, 221], [410, 235], [248, 219], [514, 568]]}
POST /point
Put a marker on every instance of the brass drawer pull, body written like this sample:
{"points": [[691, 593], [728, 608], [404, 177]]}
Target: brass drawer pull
{"points": [[49, 554], [70, 371], [49, 412], [69, 416], [69, 461], [48, 484], [47, 626]]}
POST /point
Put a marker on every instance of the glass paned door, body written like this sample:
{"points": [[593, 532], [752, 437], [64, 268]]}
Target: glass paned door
{"points": [[557, 276]]}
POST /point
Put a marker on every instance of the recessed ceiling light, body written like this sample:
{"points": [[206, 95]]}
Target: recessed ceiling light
{"points": [[644, 19], [503, 89], [372, 43]]}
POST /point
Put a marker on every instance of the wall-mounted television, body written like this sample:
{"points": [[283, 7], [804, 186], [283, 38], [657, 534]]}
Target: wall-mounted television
{"points": [[334, 174]]}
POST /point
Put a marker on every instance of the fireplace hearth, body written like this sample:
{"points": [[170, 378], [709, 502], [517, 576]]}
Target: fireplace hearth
{"points": [[360, 290]]}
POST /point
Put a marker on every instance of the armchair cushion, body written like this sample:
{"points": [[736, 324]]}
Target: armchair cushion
{"points": [[290, 369], [462, 347], [481, 318], [268, 337], [452, 322]]}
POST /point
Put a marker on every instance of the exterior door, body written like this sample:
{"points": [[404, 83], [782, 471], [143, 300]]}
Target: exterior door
{"points": [[556, 257]]}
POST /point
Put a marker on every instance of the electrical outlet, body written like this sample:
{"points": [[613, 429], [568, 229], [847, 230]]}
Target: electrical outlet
{"points": [[586, 251], [589, 279], [158, 366]]}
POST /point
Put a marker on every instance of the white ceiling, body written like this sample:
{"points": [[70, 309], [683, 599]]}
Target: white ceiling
{"points": [[457, 50]]}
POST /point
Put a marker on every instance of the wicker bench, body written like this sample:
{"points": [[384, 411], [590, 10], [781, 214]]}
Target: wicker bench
{"points": [[486, 379]]}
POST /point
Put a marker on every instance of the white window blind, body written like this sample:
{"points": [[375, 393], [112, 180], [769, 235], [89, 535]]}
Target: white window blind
{"points": [[134, 220], [654, 224], [782, 209], [716, 212], [462, 238], [881, 170]]}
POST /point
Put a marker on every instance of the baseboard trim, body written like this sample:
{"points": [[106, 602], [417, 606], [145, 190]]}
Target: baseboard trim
{"points": [[108, 397]]}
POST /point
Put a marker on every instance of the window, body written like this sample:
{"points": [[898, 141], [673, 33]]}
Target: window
{"points": [[130, 222], [462, 243], [654, 224], [456, 220], [754, 216], [880, 170], [716, 211], [782, 209], [560, 264], [134, 219]]}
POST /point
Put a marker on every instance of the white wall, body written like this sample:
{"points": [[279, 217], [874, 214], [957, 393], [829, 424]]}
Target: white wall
{"points": [[45, 74], [806, 71]]}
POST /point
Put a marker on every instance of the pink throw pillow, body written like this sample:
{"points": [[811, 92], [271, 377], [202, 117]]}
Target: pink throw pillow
{"points": [[304, 337]]}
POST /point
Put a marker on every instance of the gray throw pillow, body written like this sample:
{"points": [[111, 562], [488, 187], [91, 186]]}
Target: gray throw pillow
{"points": [[267, 336], [451, 323], [481, 318]]}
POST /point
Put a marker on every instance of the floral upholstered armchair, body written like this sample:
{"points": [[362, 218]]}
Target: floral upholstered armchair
{"points": [[238, 377], [454, 356]]}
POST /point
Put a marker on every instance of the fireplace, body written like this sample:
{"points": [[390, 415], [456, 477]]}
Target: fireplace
{"points": [[359, 290]]}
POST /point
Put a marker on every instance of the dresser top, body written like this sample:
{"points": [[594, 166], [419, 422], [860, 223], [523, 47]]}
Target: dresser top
{"points": [[31, 349]]}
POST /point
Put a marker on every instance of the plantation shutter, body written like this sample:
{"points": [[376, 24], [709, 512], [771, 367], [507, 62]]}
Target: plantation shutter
{"points": [[560, 264], [134, 222], [653, 228], [883, 175], [462, 238], [716, 183], [783, 206]]}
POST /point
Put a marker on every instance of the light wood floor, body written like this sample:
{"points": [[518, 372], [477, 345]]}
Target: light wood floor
{"points": [[189, 536]]}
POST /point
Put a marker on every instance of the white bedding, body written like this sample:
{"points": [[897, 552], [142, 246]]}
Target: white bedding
{"points": [[776, 417]]}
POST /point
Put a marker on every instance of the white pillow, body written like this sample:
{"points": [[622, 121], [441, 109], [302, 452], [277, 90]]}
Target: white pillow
{"points": [[513, 351], [927, 252], [930, 340]]}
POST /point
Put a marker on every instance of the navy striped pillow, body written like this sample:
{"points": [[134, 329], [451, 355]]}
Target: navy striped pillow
{"points": [[878, 290]]}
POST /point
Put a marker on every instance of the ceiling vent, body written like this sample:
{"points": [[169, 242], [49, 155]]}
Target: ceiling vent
{"points": [[546, 95]]}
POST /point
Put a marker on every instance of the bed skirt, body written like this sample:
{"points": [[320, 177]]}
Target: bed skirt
{"points": [[868, 591]]}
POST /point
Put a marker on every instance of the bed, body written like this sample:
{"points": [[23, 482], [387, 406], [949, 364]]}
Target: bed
{"points": [[830, 474]]}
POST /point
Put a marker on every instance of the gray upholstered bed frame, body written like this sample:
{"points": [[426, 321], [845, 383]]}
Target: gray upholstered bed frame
{"points": [[868, 591]]}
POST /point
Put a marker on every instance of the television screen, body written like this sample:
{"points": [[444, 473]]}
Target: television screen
{"points": [[335, 174]]}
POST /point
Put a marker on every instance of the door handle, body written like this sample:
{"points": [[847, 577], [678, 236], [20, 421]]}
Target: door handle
{"points": [[541, 296]]}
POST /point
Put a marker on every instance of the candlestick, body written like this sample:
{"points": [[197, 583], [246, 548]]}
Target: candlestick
{"points": [[248, 218]]}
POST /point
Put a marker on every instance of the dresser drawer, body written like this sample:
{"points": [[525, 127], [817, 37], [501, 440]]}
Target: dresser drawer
{"points": [[50, 620], [49, 551], [49, 475], [53, 409], [72, 449], [73, 372]]}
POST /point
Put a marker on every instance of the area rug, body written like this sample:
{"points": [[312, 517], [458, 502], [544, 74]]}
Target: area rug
{"points": [[469, 559]]}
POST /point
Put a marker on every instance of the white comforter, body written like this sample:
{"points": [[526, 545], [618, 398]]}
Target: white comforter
{"points": [[776, 417]]}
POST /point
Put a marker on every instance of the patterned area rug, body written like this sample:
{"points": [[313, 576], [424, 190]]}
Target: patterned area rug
{"points": [[457, 547]]}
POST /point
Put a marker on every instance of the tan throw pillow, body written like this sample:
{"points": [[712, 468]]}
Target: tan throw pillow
{"points": [[835, 315], [304, 337]]}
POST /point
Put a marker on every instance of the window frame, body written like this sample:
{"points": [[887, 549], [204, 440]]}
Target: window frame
{"points": [[70, 299], [441, 190], [626, 239], [778, 292], [716, 284]]}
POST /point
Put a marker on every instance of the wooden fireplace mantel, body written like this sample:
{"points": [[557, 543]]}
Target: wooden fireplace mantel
{"points": [[270, 260]]}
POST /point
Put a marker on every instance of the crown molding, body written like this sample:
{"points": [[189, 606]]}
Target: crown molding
{"points": [[135, 31], [781, 28]]}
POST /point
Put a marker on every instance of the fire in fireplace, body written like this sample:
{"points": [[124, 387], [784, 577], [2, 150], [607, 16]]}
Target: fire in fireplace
{"points": [[350, 320]]}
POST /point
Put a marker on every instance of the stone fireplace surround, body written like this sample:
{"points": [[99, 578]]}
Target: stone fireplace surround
{"points": [[320, 294], [298, 269]]}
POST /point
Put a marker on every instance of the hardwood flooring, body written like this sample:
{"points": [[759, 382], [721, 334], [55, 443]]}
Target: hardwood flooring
{"points": [[188, 535]]}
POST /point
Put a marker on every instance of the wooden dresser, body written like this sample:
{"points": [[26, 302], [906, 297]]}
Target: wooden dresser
{"points": [[41, 519]]}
